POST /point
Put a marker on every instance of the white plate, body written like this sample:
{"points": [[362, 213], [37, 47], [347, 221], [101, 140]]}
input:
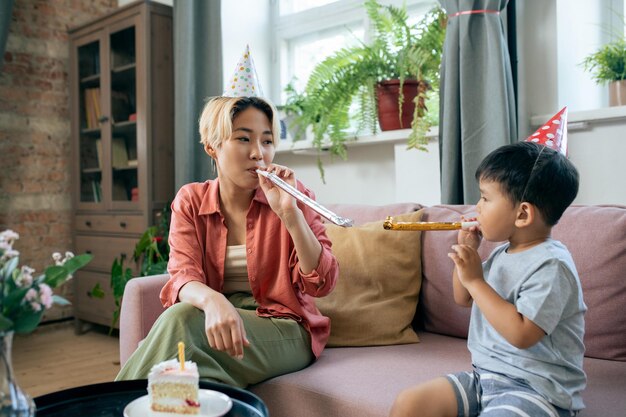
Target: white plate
{"points": [[212, 404]]}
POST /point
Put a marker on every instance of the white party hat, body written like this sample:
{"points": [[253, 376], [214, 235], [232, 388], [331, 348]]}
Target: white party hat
{"points": [[245, 81]]}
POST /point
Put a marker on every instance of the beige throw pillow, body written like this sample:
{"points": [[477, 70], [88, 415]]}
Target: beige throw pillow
{"points": [[380, 276]]}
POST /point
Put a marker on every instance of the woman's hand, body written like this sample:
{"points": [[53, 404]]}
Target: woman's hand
{"points": [[224, 327], [279, 200], [284, 205]]}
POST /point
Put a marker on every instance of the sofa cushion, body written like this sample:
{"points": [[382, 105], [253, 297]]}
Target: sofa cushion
{"points": [[362, 381], [376, 295], [596, 237]]}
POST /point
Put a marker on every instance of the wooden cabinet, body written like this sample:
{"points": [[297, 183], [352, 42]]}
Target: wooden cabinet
{"points": [[122, 115]]}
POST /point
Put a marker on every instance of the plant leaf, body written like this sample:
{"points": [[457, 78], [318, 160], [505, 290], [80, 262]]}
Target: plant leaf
{"points": [[97, 291], [57, 299], [55, 275], [77, 262], [9, 267], [5, 323], [27, 322], [14, 298]]}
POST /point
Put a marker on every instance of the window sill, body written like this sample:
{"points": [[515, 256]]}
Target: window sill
{"points": [[576, 121], [391, 137], [581, 119]]}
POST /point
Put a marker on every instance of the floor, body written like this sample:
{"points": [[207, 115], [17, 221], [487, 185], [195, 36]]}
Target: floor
{"points": [[54, 357]]}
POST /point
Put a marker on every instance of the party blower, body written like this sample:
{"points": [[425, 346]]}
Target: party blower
{"points": [[321, 210], [389, 224]]}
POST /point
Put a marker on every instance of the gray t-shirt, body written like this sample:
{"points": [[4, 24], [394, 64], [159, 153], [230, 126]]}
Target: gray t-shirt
{"points": [[543, 284]]}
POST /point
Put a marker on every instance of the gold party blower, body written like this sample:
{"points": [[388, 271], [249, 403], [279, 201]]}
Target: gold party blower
{"points": [[389, 224]]}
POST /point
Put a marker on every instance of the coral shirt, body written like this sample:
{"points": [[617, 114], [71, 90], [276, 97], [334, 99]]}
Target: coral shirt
{"points": [[197, 241]]}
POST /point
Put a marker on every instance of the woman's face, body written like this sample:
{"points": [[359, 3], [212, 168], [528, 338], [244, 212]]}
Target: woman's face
{"points": [[250, 146]]}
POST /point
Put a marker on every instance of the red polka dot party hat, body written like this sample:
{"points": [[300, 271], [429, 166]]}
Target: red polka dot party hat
{"points": [[553, 134], [244, 81]]}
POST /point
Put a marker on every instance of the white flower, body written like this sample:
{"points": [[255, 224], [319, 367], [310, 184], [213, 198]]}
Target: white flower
{"points": [[57, 258], [8, 254], [9, 236], [25, 277]]}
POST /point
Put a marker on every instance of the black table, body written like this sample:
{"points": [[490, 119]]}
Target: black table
{"points": [[110, 398]]}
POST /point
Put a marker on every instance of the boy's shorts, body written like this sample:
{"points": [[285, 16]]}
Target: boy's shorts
{"points": [[489, 394]]}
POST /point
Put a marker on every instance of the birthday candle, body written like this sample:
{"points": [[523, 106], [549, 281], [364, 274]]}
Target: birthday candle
{"points": [[181, 355], [415, 226]]}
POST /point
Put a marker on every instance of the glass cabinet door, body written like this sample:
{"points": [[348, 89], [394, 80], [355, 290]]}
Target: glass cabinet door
{"points": [[90, 137], [124, 162]]}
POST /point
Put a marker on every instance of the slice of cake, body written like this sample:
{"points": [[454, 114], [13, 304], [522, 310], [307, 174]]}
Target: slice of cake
{"points": [[173, 389]]}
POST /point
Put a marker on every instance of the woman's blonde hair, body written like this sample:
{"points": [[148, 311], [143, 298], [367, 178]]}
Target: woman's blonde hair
{"points": [[216, 120]]}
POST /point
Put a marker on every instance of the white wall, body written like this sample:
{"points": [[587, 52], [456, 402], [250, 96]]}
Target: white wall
{"points": [[367, 177], [246, 22], [597, 153]]}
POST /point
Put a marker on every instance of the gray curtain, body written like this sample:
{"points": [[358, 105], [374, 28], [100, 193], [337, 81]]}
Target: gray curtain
{"points": [[197, 75], [6, 6], [477, 110]]}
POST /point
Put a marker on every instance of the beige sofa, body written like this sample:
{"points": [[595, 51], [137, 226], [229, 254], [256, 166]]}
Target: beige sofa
{"points": [[362, 381]]}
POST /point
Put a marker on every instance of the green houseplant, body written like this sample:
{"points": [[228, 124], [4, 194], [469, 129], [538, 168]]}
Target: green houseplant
{"points": [[608, 66], [341, 91]]}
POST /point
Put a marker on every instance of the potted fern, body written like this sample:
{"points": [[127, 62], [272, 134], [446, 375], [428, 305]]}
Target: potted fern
{"points": [[608, 65], [401, 57]]}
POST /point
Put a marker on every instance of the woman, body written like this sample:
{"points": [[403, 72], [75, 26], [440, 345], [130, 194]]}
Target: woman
{"points": [[245, 262]]}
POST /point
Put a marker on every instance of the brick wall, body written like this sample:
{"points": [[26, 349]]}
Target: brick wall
{"points": [[35, 191]]}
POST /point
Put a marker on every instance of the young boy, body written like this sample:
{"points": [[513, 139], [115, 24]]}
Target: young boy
{"points": [[527, 321]]}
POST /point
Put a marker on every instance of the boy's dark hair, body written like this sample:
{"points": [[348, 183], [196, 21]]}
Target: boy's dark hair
{"points": [[544, 178]]}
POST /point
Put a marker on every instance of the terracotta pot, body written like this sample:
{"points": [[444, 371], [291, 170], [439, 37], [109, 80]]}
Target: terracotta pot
{"points": [[617, 93], [387, 93]]}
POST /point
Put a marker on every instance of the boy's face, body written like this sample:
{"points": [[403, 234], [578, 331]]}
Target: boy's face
{"points": [[496, 212]]}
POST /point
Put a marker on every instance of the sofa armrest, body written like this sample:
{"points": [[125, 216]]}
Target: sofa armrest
{"points": [[141, 307]]}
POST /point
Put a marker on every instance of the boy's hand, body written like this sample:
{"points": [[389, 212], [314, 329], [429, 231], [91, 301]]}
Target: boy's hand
{"points": [[468, 264], [470, 237]]}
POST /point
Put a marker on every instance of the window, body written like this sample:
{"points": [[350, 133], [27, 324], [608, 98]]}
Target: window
{"points": [[307, 31], [582, 28]]}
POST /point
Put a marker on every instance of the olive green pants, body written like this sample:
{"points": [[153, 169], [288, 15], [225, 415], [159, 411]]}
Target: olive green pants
{"points": [[277, 346]]}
